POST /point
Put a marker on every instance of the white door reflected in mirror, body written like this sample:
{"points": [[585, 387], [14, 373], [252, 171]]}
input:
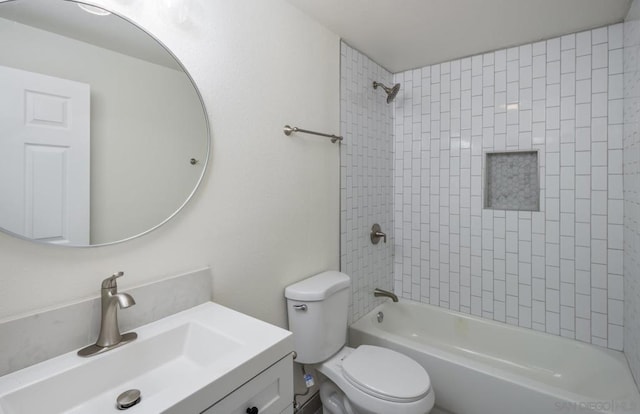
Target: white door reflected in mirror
{"points": [[146, 123], [44, 157]]}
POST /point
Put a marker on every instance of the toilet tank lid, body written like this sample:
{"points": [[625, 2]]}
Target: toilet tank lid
{"points": [[318, 287]]}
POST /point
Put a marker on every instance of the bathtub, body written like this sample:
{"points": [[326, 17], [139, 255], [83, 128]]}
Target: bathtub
{"points": [[479, 366]]}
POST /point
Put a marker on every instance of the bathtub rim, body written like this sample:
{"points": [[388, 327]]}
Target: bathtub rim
{"points": [[367, 325]]}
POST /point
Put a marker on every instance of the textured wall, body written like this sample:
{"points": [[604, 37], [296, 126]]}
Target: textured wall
{"points": [[557, 270], [632, 189], [366, 178]]}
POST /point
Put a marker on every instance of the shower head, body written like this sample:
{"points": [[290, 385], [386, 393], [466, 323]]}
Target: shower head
{"points": [[391, 92]]}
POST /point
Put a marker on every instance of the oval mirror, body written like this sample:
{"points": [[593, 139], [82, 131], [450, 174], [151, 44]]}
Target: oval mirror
{"points": [[103, 135]]}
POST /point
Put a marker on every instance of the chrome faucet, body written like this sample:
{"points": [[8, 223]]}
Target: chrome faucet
{"points": [[110, 336], [379, 292]]}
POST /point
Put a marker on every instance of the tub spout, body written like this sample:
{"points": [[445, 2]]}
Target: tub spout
{"points": [[379, 292]]}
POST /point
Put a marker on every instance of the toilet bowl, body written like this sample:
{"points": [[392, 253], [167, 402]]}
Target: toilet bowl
{"points": [[374, 380], [363, 380]]}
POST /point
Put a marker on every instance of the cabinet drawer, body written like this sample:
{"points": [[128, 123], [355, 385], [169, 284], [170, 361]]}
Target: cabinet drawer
{"points": [[270, 392]]}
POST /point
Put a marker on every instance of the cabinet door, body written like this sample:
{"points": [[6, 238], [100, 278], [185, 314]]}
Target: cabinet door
{"points": [[270, 392]]}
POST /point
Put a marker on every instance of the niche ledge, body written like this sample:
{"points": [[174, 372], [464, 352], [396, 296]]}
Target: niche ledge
{"points": [[512, 181]]}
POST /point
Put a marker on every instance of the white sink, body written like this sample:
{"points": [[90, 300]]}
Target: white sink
{"points": [[181, 364]]}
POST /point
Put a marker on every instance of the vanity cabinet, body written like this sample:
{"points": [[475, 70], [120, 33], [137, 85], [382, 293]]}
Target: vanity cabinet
{"points": [[270, 392]]}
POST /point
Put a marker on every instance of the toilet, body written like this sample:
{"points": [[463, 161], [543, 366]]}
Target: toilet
{"points": [[363, 380]]}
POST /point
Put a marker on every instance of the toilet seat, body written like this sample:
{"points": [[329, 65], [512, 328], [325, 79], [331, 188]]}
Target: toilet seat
{"points": [[386, 374], [362, 390]]}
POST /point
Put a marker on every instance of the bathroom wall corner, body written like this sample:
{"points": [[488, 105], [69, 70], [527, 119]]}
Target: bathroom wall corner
{"points": [[366, 174], [631, 143]]}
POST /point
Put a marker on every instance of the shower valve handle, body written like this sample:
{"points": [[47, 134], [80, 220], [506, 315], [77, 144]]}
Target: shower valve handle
{"points": [[377, 234]]}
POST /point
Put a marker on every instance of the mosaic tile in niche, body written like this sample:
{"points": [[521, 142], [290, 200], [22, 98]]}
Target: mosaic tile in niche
{"points": [[512, 181]]}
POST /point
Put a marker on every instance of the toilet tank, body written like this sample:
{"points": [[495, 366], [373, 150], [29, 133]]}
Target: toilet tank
{"points": [[317, 309]]}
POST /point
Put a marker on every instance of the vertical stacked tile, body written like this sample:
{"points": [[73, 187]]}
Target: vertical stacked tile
{"points": [[525, 142], [631, 143], [455, 181], [541, 139], [585, 245], [615, 195], [488, 142], [552, 194], [500, 217], [476, 185], [465, 185], [366, 163], [574, 65], [556, 270]]}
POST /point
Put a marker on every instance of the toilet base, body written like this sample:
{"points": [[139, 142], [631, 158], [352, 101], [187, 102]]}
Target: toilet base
{"points": [[333, 400]]}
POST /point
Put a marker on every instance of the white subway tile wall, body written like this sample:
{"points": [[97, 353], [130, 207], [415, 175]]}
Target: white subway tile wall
{"points": [[366, 163], [631, 142], [558, 270]]}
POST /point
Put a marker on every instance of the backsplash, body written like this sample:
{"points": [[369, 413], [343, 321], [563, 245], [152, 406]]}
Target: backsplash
{"points": [[43, 335], [366, 174], [557, 270]]}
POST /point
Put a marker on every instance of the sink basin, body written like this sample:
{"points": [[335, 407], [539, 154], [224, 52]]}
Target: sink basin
{"points": [[182, 363]]}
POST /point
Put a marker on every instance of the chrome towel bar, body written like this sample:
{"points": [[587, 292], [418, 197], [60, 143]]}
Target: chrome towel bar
{"points": [[288, 130]]}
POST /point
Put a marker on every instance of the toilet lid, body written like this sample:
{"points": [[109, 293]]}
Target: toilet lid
{"points": [[386, 374]]}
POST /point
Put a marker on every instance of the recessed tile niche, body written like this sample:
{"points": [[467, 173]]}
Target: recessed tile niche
{"points": [[511, 181]]}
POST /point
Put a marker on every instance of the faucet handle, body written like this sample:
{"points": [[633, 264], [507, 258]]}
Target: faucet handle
{"points": [[110, 282], [377, 234]]}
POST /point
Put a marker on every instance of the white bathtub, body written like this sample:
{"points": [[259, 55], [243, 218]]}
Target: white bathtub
{"points": [[479, 366]]}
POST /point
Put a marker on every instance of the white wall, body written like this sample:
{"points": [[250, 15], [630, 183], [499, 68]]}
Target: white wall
{"points": [[129, 98], [366, 164], [267, 214], [632, 189], [558, 270]]}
